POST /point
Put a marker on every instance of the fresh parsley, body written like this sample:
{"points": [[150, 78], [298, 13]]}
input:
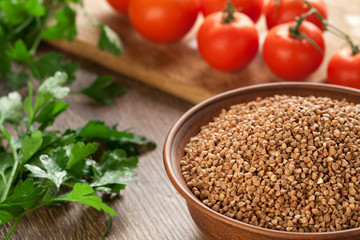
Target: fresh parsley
{"points": [[39, 167], [24, 23], [102, 90]]}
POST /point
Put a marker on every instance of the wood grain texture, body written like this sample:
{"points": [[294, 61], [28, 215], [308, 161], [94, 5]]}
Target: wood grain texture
{"points": [[178, 68], [148, 209]]}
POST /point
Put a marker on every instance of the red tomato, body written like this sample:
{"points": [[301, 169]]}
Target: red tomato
{"points": [[287, 10], [292, 58], [252, 8], [228, 46], [163, 21], [120, 6], [344, 69]]}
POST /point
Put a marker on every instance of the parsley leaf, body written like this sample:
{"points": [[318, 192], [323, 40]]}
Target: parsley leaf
{"points": [[24, 23], [16, 79], [51, 63], [6, 162], [34, 8], [109, 40], [28, 100], [25, 196], [5, 216], [10, 108], [13, 12], [19, 52], [102, 91], [51, 90], [98, 129], [84, 194], [114, 171], [65, 26], [49, 113], [5, 60], [30, 145], [80, 151], [53, 167], [132, 144], [37, 163]]}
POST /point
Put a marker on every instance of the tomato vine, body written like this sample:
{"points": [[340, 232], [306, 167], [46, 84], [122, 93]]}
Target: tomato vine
{"points": [[333, 29]]}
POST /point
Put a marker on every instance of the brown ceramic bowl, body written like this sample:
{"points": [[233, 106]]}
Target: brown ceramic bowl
{"points": [[212, 224]]}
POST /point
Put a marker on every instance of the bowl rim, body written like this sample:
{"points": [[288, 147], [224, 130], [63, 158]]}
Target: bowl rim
{"points": [[193, 200]]}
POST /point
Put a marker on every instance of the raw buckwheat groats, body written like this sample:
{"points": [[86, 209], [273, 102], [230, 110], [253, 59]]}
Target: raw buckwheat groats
{"points": [[285, 162]]}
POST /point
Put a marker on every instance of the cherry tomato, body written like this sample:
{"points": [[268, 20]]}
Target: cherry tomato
{"points": [[344, 68], [163, 21], [293, 58], [228, 46], [287, 10], [252, 8], [120, 6]]}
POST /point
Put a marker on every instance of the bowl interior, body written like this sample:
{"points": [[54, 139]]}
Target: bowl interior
{"points": [[189, 124]]}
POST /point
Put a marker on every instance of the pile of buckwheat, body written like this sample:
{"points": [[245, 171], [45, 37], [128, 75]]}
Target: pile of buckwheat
{"points": [[285, 162]]}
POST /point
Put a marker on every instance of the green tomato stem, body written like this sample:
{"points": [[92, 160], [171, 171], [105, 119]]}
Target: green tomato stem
{"points": [[355, 50], [312, 42], [317, 14], [294, 30], [228, 14], [333, 29], [337, 32]]}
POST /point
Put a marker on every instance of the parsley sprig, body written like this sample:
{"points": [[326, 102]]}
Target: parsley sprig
{"points": [[24, 23], [39, 167]]}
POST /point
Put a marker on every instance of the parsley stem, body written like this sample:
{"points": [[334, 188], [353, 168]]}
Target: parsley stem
{"points": [[13, 228], [44, 26], [31, 119], [16, 163], [93, 20], [18, 219], [109, 225], [37, 40], [23, 25]]}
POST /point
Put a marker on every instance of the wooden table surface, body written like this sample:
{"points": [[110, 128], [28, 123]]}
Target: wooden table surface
{"points": [[148, 209]]}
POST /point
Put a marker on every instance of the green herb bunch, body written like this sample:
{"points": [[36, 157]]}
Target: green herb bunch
{"points": [[24, 23], [39, 167]]}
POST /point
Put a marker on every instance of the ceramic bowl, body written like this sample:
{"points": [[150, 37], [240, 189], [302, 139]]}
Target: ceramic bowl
{"points": [[212, 224]]}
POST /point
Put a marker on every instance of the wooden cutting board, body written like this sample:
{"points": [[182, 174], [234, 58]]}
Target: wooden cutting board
{"points": [[178, 68]]}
